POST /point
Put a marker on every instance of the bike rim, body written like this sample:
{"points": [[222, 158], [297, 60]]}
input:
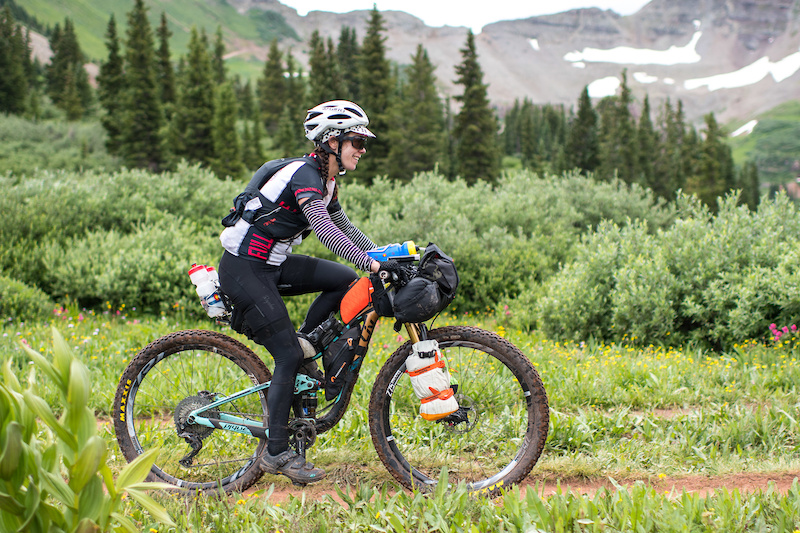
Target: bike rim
{"points": [[166, 381], [481, 454]]}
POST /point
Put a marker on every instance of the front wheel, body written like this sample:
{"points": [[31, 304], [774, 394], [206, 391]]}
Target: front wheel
{"points": [[495, 438], [175, 375]]}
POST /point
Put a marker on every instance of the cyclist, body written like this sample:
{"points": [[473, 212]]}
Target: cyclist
{"points": [[285, 199]]}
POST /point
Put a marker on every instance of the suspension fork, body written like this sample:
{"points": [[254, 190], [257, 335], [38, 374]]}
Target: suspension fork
{"points": [[416, 332]]}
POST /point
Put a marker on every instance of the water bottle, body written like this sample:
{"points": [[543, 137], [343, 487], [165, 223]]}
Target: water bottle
{"points": [[206, 279], [393, 250]]}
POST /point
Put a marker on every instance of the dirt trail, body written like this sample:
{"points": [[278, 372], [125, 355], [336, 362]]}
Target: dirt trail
{"points": [[696, 484], [699, 484]]}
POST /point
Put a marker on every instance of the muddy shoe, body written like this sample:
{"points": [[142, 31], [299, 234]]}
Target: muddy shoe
{"points": [[311, 369], [291, 465]]}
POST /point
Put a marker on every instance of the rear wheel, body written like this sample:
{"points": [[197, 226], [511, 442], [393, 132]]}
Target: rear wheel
{"points": [[495, 438], [171, 377]]}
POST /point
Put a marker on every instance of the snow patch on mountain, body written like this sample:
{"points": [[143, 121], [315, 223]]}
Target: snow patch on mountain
{"points": [[626, 55], [604, 87], [744, 130], [644, 77], [752, 73]]}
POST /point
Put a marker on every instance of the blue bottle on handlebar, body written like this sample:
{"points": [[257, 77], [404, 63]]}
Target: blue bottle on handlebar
{"points": [[393, 250]]}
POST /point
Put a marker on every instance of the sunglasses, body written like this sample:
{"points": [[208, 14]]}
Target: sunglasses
{"points": [[358, 142]]}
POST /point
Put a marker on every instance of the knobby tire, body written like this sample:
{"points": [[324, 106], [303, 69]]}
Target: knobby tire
{"points": [[507, 416], [170, 373]]}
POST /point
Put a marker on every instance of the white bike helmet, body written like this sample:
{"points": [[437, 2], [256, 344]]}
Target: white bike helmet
{"points": [[334, 118]]}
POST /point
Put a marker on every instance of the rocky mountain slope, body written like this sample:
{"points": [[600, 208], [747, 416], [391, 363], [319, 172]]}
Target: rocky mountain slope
{"points": [[733, 57]]}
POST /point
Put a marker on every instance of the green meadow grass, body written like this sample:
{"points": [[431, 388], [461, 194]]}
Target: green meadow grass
{"points": [[620, 412]]}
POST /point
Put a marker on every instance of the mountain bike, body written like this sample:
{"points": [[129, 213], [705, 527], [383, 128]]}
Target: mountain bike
{"points": [[199, 396]]}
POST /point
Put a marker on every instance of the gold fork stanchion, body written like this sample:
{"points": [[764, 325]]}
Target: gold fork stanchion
{"points": [[413, 332]]}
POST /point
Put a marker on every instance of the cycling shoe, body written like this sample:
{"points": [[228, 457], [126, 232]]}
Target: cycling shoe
{"points": [[293, 466]]}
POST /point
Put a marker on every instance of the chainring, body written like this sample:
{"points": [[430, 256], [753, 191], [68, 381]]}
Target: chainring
{"points": [[302, 431]]}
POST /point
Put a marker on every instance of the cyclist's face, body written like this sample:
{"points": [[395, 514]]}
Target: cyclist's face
{"points": [[353, 147]]}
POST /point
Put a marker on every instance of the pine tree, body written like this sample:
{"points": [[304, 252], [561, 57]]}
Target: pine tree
{"points": [[227, 146], [13, 50], [348, 52], [530, 129], [251, 153], [336, 81], [319, 76], [191, 129], [417, 138], [25, 47], [509, 138], [449, 165], [143, 118], [475, 129], [286, 140], [218, 59], [376, 87], [647, 140], [668, 170], [297, 101], [67, 80], [713, 174], [618, 142], [110, 89], [749, 185], [582, 147], [272, 88], [165, 74], [256, 149], [70, 98]]}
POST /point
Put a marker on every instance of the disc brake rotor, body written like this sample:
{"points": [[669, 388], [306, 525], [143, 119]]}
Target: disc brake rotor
{"points": [[465, 418]]}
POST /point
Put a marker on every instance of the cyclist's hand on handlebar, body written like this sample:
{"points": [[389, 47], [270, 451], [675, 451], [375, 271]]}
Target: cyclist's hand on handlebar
{"points": [[393, 269]]}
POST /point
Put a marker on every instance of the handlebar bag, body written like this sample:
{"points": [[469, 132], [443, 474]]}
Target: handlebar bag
{"points": [[441, 269], [430, 291], [419, 300]]}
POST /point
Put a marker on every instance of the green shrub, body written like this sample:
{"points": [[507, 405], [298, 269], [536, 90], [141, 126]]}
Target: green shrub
{"points": [[503, 239], [64, 204], [20, 302], [145, 269], [127, 237], [54, 471], [53, 210], [713, 280], [27, 146]]}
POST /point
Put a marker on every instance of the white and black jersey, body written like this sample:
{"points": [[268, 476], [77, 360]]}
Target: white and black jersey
{"points": [[267, 219]]}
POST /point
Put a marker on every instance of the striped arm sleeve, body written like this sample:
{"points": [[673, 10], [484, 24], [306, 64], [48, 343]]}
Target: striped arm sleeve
{"points": [[332, 237], [343, 223]]}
